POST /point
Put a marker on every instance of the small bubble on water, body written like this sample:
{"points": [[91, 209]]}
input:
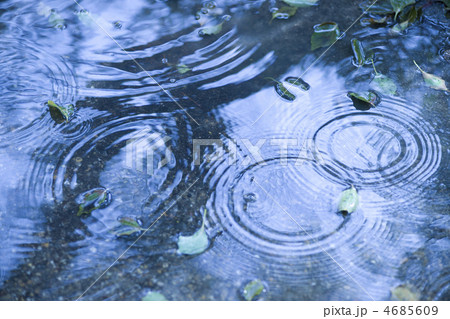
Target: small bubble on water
{"points": [[204, 11], [250, 197], [210, 5], [172, 80], [165, 61]]}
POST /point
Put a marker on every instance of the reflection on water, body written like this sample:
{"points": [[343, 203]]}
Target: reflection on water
{"points": [[269, 172]]}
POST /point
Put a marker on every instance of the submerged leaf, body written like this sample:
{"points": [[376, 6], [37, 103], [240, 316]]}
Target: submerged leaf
{"points": [[298, 82], [301, 3], [349, 201], [215, 29], [374, 21], [252, 290], [404, 293], [154, 296], [381, 7], [399, 5], [365, 100], [358, 51], [284, 13], [412, 15], [183, 68], [196, 243], [383, 83], [93, 199], [433, 81], [60, 113], [324, 35]]}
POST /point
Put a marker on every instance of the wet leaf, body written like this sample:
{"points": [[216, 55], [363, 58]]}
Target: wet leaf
{"points": [[154, 296], [93, 199], [283, 92], [60, 113], [374, 21], [183, 68], [129, 227], [383, 83], [412, 15], [284, 13], [365, 100], [349, 201], [298, 82], [433, 81], [404, 293], [252, 290], [196, 243], [358, 51], [324, 35], [215, 29], [301, 3], [399, 5]]}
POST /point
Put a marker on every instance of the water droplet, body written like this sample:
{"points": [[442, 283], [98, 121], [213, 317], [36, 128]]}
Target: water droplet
{"points": [[210, 4], [165, 61], [172, 80], [250, 197], [204, 11]]}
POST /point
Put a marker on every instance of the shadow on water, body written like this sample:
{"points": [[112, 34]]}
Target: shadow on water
{"points": [[271, 209]]}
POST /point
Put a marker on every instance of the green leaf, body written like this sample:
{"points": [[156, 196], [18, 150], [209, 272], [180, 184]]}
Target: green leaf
{"points": [[60, 113], [374, 21], [129, 226], [349, 201], [383, 83], [298, 82], [324, 35], [284, 13], [404, 293], [129, 221], [433, 81], [399, 5], [196, 243], [365, 100], [301, 3], [215, 29], [283, 92], [154, 296], [252, 289], [408, 19], [358, 52], [93, 199], [183, 68]]}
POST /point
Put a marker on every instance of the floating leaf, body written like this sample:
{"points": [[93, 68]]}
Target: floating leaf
{"points": [[404, 293], [154, 296], [284, 13], [93, 199], [183, 68], [129, 227], [252, 290], [298, 82], [301, 3], [283, 92], [349, 201], [196, 243], [324, 35], [358, 51], [215, 29], [60, 113], [399, 5], [383, 83], [412, 15], [433, 81], [364, 101], [374, 21]]}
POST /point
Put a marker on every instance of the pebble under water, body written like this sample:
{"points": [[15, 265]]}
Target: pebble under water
{"points": [[195, 118]]}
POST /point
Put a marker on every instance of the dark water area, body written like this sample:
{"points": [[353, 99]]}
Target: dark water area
{"points": [[174, 122]]}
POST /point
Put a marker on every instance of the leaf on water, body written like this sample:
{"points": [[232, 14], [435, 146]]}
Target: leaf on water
{"points": [[365, 100], [349, 201], [215, 29], [324, 35], [374, 21], [301, 3], [93, 199], [284, 13], [183, 68], [298, 82], [128, 227], [252, 290], [383, 83], [407, 19], [399, 5], [404, 293], [358, 51], [433, 81], [283, 92], [196, 243], [154, 296], [60, 113]]}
